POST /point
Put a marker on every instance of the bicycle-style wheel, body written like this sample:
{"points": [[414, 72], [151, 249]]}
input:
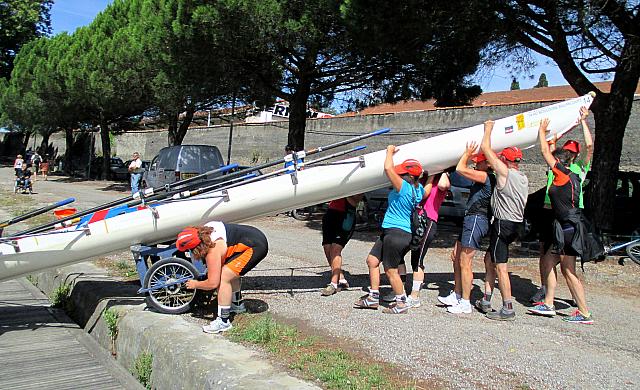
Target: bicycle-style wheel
{"points": [[633, 251]]}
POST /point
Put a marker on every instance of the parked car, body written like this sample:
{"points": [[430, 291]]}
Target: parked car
{"points": [[175, 163], [116, 167]]}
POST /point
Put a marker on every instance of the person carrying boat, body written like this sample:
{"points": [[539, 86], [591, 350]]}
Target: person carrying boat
{"points": [[565, 202], [508, 201], [580, 165], [230, 251], [338, 225], [430, 206], [475, 226], [393, 244]]}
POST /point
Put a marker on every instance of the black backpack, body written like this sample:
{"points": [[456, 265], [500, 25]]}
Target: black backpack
{"points": [[419, 222]]}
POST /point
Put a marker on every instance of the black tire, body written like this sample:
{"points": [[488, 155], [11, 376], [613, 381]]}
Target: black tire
{"points": [[303, 214], [175, 299], [633, 251]]}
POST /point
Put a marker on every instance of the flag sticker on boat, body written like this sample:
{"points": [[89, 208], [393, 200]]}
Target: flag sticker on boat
{"points": [[508, 129], [520, 121]]}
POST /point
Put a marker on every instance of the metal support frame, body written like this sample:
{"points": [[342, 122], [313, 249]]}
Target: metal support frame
{"points": [[146, 255]]}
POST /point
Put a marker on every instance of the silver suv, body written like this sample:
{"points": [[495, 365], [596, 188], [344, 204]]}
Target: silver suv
{"points": [[175, 163]]}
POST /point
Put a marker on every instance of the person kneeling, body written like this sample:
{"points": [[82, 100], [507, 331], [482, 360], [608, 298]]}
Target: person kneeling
{"points": [[230, 251]]}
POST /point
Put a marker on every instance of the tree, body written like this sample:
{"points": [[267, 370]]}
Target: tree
{"points": [[20, 22], [515, 85], [584, 38], [542, 81]]}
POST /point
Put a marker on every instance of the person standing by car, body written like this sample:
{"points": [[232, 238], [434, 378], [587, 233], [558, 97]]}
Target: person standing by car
{"points": [[393, 244], [135, 169], [475, 227], [430, 205], [508, 201], [338, 225], [565, 200], [580, 165]]}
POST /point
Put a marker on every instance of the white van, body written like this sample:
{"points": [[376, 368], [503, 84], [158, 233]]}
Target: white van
{"points": [[175, 163]]}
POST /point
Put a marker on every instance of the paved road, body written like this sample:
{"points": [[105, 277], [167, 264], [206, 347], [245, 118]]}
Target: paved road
{"points": [[429, 344], [41, 350]]}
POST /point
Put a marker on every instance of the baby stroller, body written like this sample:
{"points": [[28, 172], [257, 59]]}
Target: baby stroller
{"points": [[23, 184]]}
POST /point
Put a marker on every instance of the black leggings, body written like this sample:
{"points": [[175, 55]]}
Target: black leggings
{"points": [[417, 256]]}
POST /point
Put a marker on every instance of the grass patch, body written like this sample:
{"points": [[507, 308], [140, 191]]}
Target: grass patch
{"points": [[125, 268], [310, 357], [61, 297], [111, 317], [142, 369]]}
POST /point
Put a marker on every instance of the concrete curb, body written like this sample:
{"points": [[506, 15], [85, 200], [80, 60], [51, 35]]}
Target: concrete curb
{"points": [[183, 356]]}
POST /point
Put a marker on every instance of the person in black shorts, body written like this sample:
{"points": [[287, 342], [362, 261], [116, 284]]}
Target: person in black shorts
{"points": [[507, 205], [338, 225], [564, 194], [230, 251]]}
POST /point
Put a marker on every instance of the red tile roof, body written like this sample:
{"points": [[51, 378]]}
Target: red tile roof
{"points": [[520, 96]]}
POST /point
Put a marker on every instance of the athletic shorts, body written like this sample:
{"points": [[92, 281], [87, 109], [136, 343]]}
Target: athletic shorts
{"points": [[391, 247], [502, 234], [568, 232], [332, 228], [474, 229], [417, 256], [248, 252]]}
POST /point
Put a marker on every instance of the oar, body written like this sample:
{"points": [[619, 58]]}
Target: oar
{"points": [[218, 187], [33, 213], [290, 157], [120, 201]]}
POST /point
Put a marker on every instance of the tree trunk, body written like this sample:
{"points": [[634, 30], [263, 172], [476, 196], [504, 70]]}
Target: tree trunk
{"points": [[44, 144], [178, 132], [25, 140], [173, 129], [298, 115], [106, 147], [68, 138], [611, 114]]}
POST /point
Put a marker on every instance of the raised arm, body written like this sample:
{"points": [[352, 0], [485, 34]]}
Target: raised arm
{"points": [[394, 178], [444, 183], [463, 165], [588, 140], [499, 167], [544, 145]]}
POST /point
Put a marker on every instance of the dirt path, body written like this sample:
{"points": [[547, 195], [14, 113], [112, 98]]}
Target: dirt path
{"points": [[460, 351]]}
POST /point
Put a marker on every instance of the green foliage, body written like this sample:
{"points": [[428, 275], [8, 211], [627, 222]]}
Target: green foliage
{"points": [[110, 317], [515, 85], [542, 81], [20, 22], [33, 280], [61, 297], [143, 368]]}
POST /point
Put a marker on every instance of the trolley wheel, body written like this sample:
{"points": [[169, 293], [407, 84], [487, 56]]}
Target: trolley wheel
{"points": [[633, 251], [174, 299]]}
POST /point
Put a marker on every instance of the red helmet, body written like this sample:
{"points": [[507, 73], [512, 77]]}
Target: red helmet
{"points": [[512, 153], [478, 158], [187, 239], [572, 146], [410, 166]]}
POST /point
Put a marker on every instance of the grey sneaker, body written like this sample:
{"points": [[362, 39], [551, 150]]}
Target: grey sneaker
{"points": [[329, 290], [501, 315], [217, 326], [238, 309], [538, 296], [398, 308], [366, 302], [413, 302], [483, 306]]}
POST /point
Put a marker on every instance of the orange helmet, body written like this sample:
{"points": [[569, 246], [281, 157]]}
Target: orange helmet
{"points": [[572, 146], [410, 166], [188, 239]]}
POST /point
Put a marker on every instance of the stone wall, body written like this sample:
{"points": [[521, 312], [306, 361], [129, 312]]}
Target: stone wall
{"points": [[258, 143]]}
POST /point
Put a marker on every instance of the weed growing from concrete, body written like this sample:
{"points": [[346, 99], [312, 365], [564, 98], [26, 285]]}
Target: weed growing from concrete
{"points": [[110, 317], [125, 268], [33, 280], [312, 358], [142, 369], [61, 297]]}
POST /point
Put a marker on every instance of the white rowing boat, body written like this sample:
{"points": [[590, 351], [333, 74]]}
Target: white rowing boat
{"points": [[162, 221]]}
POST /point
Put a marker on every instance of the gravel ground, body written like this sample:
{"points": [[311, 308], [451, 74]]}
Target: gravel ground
{"points": [[466, 351]]}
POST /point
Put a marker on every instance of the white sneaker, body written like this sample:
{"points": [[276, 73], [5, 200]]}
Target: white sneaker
{"points": [[460, 308], [238, 309], [539, 295], [217, 326], [449, 300], [413, 302]]}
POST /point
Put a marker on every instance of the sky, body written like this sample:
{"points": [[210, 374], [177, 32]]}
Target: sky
{"points": [[67, 15]]}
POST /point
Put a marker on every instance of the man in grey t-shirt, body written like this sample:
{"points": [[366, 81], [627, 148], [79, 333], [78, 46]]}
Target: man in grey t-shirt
{"points": [[507, 202]]}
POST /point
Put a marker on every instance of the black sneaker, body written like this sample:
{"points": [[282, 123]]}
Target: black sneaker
{"points": [[501, 315]]}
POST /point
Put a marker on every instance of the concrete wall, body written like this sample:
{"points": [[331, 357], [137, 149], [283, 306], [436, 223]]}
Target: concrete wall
{"points": [[258, 143]]}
